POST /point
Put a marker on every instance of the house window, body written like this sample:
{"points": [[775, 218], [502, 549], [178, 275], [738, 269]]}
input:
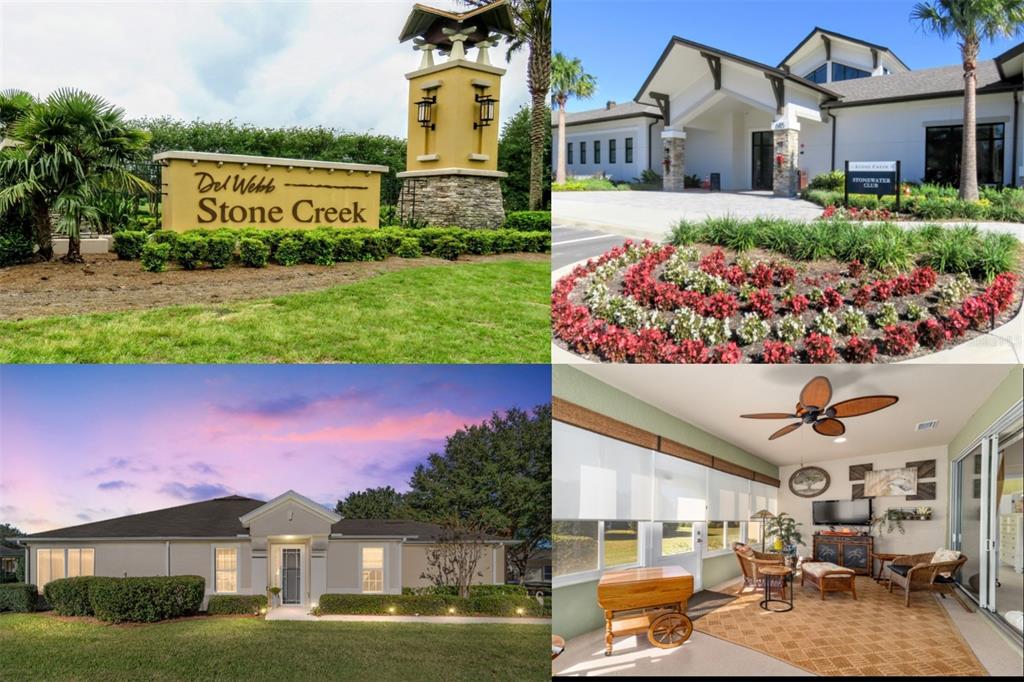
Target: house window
{"points": [[226, 579], [629, 150], [583, 547], [568, 153], [721, 535], [611, 151], [80, 562], [547, 573], [842, 72], [373, 569], [819, 75], [49, 565], [583, 153], [621, 543], [676, 538], [597, 151], [942, 154]]}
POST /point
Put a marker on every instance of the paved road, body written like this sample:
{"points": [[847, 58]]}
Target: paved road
{"points": [[571, 244]]}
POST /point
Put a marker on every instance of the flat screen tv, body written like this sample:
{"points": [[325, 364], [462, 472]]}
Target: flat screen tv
{"points": [[842, 512]]}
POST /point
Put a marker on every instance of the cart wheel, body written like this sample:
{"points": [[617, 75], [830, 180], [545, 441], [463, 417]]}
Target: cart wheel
{"points": [[669, 630]]}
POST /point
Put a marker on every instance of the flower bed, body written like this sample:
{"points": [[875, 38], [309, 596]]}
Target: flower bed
{"points": [[699, 303]]}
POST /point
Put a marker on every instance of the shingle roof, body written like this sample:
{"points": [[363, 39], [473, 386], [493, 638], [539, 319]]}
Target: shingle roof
{"points": [[920, 83], [393, 527], [624, 110]]}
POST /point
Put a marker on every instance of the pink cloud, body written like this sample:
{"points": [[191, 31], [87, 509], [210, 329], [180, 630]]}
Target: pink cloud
{"points": [[428, 426]]}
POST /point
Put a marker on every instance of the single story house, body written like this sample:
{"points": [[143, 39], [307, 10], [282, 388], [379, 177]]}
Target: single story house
{"points": [[833, 98], [243, 546]]}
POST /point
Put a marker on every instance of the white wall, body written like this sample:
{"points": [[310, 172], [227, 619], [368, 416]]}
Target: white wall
{"points": [[636, 127], [921, 536]]}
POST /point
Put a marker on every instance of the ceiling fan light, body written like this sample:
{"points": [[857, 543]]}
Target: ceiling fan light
{"points": [[841, 439]]}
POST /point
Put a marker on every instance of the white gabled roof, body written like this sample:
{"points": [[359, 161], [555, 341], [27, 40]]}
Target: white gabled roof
{"points": [[290, 496]]}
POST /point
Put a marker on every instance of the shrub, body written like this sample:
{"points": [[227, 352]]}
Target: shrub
{"points": [[994, 254], [146, 600], [714, 331], [931, 334], [752, 329], [900, 339], [819, 348], [479, 241], [528, 221], [831, 299], [128, 244], [727, 354], [763, 303], [826, 323], [831, 181], [253, 253], [507, 606], [797, 304], [18, 597], [789, 328], [155, 256], [288, 251], [685, 233], [498, 590], [375, 247], [915, 312], [220, 249], [860, 350], [70, 596], [854, 321], [432, 603], [536, 242], [164, 237], [409, 248], [449, 248], [886, 316], [317, 247], [777, 352], [346, 248], [14, 249], [190, 250], [721, 305], [221, 604]]}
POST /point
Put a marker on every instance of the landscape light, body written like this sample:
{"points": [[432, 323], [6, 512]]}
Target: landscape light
{"points": [[451, 609], [519, 610], [423, 111], [486, 103]]}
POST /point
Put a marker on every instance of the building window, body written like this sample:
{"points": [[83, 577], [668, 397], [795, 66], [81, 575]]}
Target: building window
{"points": [[819, 75], [611, 151], [80, 562], [676, 538], [842, 72], [373, 569], [226, 565], [597, 151], [568, 153], [942, 154], [722, 534], [49, 566], [621, 543], [629, 150], [583, 153]]}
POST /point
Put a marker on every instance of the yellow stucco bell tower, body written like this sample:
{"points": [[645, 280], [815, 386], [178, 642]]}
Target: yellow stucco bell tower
{"points": [[452, 175]]}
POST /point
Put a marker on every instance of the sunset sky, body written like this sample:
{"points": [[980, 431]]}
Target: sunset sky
{"points": [[81, 444]]}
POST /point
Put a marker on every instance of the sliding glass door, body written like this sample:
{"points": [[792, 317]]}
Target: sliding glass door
{"points": [[1008, 526], [967, 532]]}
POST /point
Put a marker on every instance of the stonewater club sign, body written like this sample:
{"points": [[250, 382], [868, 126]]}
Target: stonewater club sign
{"points": [[230, 190], [872, 177]]}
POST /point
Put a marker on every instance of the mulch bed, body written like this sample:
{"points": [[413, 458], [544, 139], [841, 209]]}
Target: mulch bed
{"points": [[105, 284]]}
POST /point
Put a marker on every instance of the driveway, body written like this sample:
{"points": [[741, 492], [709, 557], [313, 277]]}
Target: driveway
{"points": [[572, 244]]}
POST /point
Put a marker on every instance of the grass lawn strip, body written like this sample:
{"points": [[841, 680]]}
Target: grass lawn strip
{"points": [[481, 313], [43, 647]]}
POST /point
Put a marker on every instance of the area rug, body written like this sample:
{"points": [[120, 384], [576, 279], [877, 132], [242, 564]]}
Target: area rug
{"points": [[706, 601], [875, 635]]}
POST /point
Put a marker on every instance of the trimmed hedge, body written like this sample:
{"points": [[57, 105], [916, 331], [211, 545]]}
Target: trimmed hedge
{"points": [[427, 605], [70, 596], [155, 256], [253, 253], [128, 244], [528, 221], [474, 590], [146, 600], [18, 597], [236, 603], [14, 249]]}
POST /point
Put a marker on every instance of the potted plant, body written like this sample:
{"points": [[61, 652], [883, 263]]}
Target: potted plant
{"points": [[274, 591], [784, 529], [892, 518]]}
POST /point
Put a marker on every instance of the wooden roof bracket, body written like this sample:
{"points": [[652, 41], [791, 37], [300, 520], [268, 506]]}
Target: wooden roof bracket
{"points": [[715, 64], [778, 89], [828, 46], [662, 100]]}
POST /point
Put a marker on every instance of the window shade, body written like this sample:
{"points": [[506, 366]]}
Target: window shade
{"points": [[594, 477], [763, 496], [680, 489], [728, 497]]}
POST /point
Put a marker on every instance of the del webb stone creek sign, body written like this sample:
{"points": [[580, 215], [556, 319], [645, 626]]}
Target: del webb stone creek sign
{"points": [[217, 190]]}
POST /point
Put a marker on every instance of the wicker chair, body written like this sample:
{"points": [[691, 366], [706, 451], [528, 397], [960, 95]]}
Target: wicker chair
{"points": [[916, 571], [750, 560]]}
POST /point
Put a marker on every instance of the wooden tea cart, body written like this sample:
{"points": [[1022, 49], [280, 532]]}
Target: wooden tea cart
{"points": [[651, 600]]}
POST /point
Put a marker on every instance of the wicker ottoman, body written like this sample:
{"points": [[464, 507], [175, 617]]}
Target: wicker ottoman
{"points": [[828, 577]]}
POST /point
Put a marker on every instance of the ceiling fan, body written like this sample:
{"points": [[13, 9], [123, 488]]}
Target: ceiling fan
{"points": [[811, 409]]}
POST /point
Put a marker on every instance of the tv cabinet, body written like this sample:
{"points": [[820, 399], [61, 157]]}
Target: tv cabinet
{"points": [[848, 551]]}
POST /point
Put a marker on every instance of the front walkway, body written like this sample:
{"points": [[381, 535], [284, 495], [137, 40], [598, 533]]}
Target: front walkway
{"points": [[302, 613]]}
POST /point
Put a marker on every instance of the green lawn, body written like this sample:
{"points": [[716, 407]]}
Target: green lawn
{"points": [[41, 647], [475, 313]]}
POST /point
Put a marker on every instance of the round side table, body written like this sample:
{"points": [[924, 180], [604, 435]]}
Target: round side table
{"points": [[785, 575], [557, 646], [882, 557]]}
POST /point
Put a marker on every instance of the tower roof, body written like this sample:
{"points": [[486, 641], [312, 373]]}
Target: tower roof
{"points": [[429, 23]]}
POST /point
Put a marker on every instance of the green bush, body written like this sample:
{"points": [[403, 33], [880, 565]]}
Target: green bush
{"points": [[190, 249], [831, 181], [14, 249], [70, 596], [347, 248], [155, 256], [128, 244], [375, 246], [18, 597], [497, 590], [443, 590], [499, 605], [220, 249], [253, 253], [288, 251], [431, 602], [480, 241], [588, 185], [409, 248], [528, 221], [146, 600], [317, 247], [221, 604], [165, 237], [449, 248], [389, 215]]}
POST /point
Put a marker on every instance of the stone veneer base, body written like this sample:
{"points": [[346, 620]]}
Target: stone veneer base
{"points": [[452, 200]]}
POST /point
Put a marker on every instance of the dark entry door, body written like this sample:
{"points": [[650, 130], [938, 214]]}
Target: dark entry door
{"points": [[762, 159], [290, 579]]}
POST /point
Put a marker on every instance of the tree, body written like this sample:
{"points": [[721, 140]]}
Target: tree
{"points": [[73, 146], [514, 159], [568, 79], [452, 559], [532, 29], [13, 105], [9, 531], [373, 503], [970, 21], [495, 475]]}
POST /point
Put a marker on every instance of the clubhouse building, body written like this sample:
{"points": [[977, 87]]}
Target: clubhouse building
{"points": [[750, 126]]}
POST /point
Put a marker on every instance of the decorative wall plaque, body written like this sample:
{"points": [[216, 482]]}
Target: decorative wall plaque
{"points": [[925, 491], [857, 491], [889, 482], [809, 481], [857, 471], [925, 468]]}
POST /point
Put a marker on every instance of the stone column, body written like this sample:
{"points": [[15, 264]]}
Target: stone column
{"points": [[674, 142], [785, 159]]}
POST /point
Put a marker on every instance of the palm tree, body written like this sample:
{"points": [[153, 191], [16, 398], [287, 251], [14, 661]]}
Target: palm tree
{"points": [[13, 105], [567, 80], [532, 29], [73, 145], [970, 21]]}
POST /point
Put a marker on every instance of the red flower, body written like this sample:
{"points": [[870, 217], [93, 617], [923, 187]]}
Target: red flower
{"points": [[901, 285], [931, 334], [761, 277], [777, 352], [763, 303], [831, 299], [726, 354], [922, 279], [855, 269], [862, 296], [819, 348], [860, 350], [883, 289], [1001, 291], [735, 276], [784, 274], [900, 339], [977, 309], [956, 324], [714, 263], [688, 351], [797, 303], [721, 305]]}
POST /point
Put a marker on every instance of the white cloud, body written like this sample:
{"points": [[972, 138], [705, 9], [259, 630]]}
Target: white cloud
{"points": [[334, 64]]}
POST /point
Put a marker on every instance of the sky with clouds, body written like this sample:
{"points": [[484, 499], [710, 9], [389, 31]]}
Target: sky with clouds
{"points": [[336, 64], [84, 443]]}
